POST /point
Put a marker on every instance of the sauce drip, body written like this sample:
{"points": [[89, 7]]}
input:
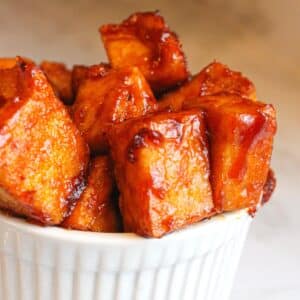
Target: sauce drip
{"points": [[239, 166]]}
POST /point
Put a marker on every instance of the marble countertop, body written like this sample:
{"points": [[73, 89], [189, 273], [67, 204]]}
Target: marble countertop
{"points": [[261, 38]]}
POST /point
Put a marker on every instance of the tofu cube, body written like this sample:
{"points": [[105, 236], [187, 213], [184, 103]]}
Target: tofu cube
{"points": [[60, 79], [97, 208], [241, 135], [162, 171], [43, 157], [144, 40], [214, 79], [104, 101]]}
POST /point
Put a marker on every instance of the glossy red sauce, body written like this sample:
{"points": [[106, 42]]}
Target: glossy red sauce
{"points": [[239, 166]]}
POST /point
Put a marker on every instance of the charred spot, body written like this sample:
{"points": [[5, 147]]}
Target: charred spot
{"points": [[129, 97], [2, 101], [141, 139], [22, 64], [77, 186], [269, 186]]}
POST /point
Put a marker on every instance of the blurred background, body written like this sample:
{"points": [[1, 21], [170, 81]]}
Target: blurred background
{"points": [[260, 38]]}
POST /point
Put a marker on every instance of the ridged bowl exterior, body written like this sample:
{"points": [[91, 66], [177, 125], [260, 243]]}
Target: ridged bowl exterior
{"points": [[198, 262]]}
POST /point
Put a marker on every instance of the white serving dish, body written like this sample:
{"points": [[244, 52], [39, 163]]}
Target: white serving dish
{"points": [[49, 263]]}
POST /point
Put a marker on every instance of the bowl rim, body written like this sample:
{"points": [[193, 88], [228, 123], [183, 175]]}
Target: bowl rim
{"points": [[55, 233]]}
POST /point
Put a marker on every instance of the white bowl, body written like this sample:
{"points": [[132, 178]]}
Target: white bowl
{"points": [[49, 263]]}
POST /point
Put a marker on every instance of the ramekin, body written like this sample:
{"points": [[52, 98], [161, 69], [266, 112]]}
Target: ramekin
{"points": [[49, 263]]}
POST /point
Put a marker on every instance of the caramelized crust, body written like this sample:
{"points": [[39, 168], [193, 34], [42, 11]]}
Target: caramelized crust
{"points": [[162, 172], [213, 79], [96, 210], [241, 135], [101, 102], [60, 79], [144, 40], [269, 186], [80, 73], [43, 157]]}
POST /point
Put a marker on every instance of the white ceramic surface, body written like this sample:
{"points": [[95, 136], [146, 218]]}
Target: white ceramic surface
{"points": [[43, 263]]}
